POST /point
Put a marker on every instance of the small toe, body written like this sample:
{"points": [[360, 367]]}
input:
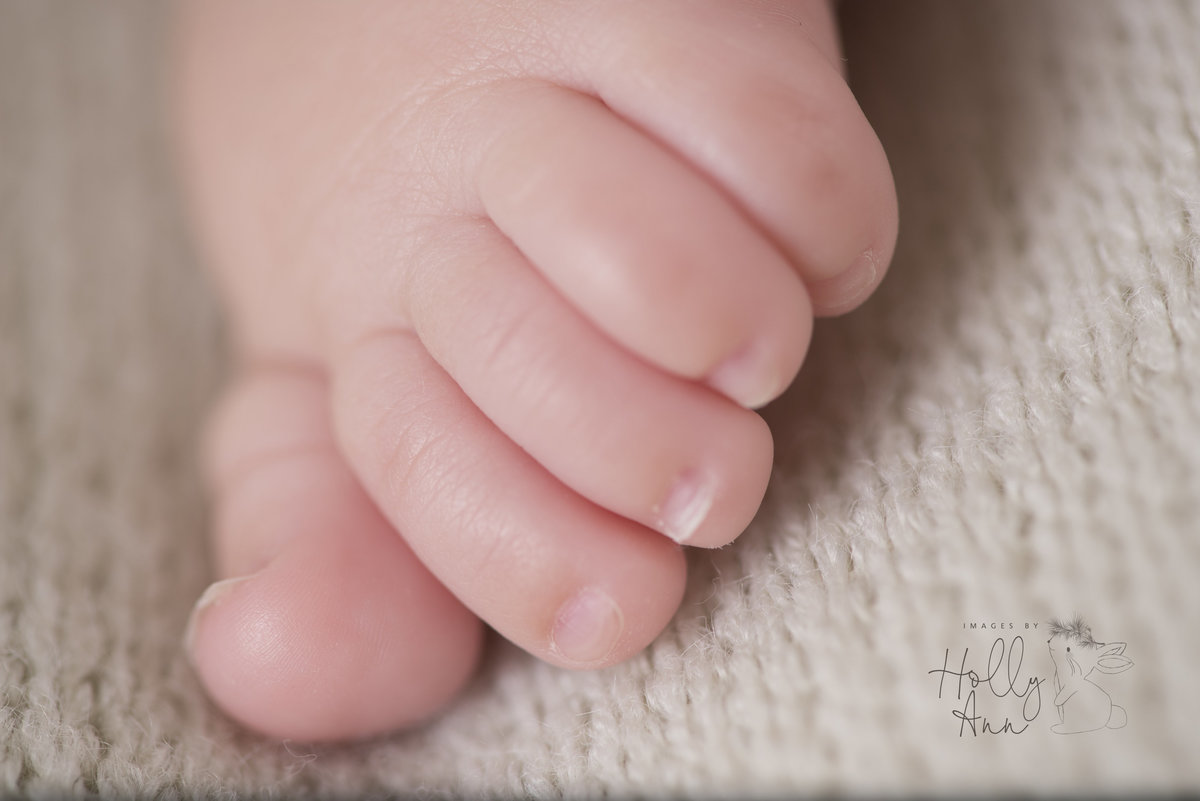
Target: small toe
{"points": [[749, 95], [642, 244], [570, 582], [667, 453]]}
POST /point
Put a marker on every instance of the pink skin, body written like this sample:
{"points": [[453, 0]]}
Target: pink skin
{"points": [[506, 279]]}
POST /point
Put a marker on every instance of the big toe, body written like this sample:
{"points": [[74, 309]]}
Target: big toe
{"points": [[331, 628]]}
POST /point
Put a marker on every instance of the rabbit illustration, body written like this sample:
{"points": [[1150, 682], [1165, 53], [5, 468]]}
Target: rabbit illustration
{"points": [[1082, 704]]}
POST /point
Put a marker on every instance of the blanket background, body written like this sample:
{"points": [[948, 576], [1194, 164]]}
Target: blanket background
{"points": [[1008, 432]]}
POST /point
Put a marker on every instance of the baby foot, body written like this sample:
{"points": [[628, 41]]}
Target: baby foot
{"points": [[506, 278]]}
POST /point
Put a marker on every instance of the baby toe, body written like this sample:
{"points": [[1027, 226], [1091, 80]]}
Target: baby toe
{"points": [[748, 94]]}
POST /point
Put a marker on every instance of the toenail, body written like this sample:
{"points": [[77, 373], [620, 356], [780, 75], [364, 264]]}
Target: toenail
{"points": [[208, 599], [687, 504], [747, 377], [862, 275], [846, 290], [587, 627]]}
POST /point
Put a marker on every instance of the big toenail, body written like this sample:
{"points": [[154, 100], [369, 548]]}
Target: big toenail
{"points": [[687, 504], [208, 599], [747, 377], [587, 627]]}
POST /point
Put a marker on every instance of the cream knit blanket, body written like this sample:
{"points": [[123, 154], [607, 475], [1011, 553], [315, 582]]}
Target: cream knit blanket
{"points": [[1009, 432]]}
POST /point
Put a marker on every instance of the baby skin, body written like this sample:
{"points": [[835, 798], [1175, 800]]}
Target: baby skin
{"points": [[507, 279]]}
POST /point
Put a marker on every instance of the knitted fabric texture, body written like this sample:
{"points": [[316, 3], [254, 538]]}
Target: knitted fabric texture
{"points": [[1006, 434]]}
